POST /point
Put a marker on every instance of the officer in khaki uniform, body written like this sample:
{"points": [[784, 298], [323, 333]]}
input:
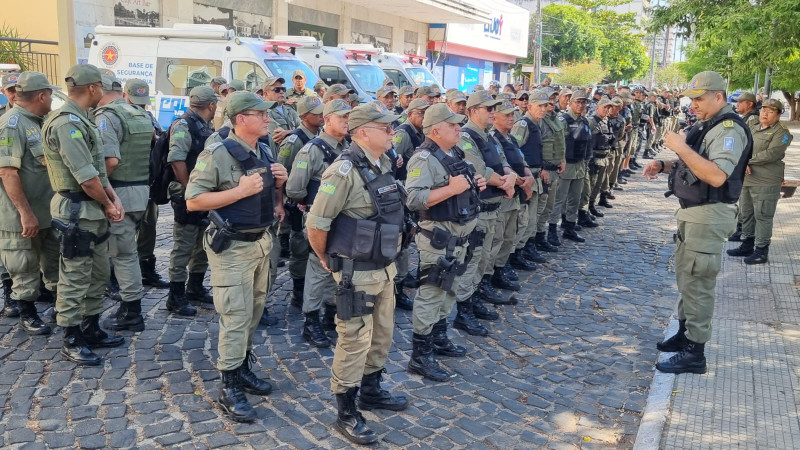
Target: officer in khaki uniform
{"points": [[404, 96], [706, 178], [28, 242], [602, 145], [8, 88], [359, 192], [240, 184], [617, 123], [86, 201], [521, 104], [444, 190], [126, 133], [762, 183], [220, 118], [298, 90], [303, 187], [337, 91], [746, 107]]}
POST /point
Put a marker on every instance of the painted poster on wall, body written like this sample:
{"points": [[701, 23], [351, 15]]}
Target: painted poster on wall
{"points": [[375, 41], [328, 36], [136, 13]]}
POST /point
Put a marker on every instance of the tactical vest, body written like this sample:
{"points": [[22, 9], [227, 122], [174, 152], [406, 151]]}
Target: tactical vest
{"points": [[134, 148], [617, 125], [690, 190], [491, 157], [533, 150], [224, 132], [199, 131], [300, 135], [61, 178], [577, 138], [602, 141], [255, 211], [460, 208], [636, 112], [552, 151], [513, 153], [328, 155], [411, 130], [375, 239]]}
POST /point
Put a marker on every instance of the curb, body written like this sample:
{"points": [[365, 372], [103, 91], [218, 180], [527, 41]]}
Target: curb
{"points": [[657, 408]]}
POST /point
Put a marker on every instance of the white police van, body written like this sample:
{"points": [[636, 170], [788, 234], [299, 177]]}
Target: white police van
{"points": [[174, 60], [403, 70]]}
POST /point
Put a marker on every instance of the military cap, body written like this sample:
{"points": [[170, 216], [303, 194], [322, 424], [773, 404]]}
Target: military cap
{"points": [[746, 97], [111, 83], [580, 93], [374, 111], [482, 98], [203, 94], [478, 87], [310, 104], [604, 102], [418, 104], [138, 91], [439, 113], [505, 107], [219, 80], [494, 83], [337, 106], [241, 101], [705, 81], [320, 85], [425, 90], [388, 82], [617, 101], [385, 90], [521, 94], [272, 80], [599, 91], [565, 93], [33, 81], [236, 84], [354, 97], [505, 96], [298, 73], [406, 90], [336, 89], [82, 75], [456, 96], [773, 103], [539, 97]]}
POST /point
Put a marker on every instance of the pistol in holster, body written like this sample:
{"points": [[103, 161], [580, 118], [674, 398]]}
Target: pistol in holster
{"points": [[220, 234], [349, 302]]}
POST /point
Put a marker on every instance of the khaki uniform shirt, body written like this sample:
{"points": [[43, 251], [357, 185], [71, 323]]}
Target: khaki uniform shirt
{"points": [[343, 192], [403, 145], [473, 154], [219, 114], [769, 149], [291, 146], [309, 164], [291, 93], [21, 148], [559, 148], [288, 119]]}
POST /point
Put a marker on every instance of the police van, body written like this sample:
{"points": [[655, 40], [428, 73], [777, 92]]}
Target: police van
{"points": [[403, 70], [355, 68], [174, 60]]}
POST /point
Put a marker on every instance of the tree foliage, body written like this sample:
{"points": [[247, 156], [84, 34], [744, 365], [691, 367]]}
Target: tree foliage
{"points": [[571, 35], [580, 74], [12, 52]]}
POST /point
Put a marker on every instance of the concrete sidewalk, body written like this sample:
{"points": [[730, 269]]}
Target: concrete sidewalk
{"points": [[749, 398]]}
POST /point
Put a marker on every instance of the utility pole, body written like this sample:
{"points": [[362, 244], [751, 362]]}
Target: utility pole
{"points": [[755, 84], [768, 83], [653, 64], [537, 63]]}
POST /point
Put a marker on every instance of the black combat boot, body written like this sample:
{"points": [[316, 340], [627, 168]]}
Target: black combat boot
{"points": [[746, 248], [690, 359], [422, 361], [329, 318], [75, 349], [552, 235], [149, 275], [609, 196], [620, 180], [594, 210], [543, 245], [350, 422], [249, 382], [195, 291], [29, 320], [519, 262], [373, 396], [283, 239], [112, 289], [489, 294], [531, 253], [501, 281], [584, 220], [45, 295], [571, 234], [465, 319], [95, 336], [176, 301], [10, 306], [676, 342], [298, 290], [760, 256], [737, 236], [510, 272], [127, 317], [232, 400], [634, 165], [442, 345], [604, 201], [313, 332], [481, 311], [267, 319], [401, 300]]}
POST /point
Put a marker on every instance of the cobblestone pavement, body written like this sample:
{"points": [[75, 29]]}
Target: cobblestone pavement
{"points": [[749, 398], [568, 367]]}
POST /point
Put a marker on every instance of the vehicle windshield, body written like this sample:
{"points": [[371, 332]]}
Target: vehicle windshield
{"points": [[284, 68], [421, 76], [369, 78]]}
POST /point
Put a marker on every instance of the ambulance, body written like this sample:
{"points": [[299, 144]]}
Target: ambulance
{"points": [[174, 60], [403, 70]]}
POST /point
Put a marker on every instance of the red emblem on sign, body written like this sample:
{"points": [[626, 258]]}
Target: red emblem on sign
{"points": [[110, 55]]}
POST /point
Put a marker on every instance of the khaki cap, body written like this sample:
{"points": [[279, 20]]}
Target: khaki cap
{"points": [[617, 101], [336, 89], [482, 98], [385, 90], [705, 81], [219, 80], [203, 94], [506, 107], [298, 73], [33, 81], [580, 93], [353, 97], [310, 104], [425, 90], [456, 96], [418, 104], [272, 80], [539, 97], [320, 85], [478, 87], [236, 85], [111, 83], [138, 91], [604, 102], [565, 92], [774, 104], [241, 101], [505, 96], [374, 111], [337, 106], [406, 90], [9, 80], [521, 94], [746, 97], [439, 113], [82, 75]]}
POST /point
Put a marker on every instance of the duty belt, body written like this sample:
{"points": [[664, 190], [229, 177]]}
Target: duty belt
{"points": [[489, 207], [454, 240], [118, 184], [246, 237], [336, 264], [75, 196], [548, 166]]}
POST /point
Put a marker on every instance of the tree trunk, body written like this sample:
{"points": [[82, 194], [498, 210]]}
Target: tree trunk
{"points": [[794, 105]]}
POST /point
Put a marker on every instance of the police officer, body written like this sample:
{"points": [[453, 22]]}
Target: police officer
{"points": [[706, 178], [216, 83], [444, 189], [337, 91], [362, 264], [283, 119], [746, 107], [599, 93], [220, 117], [494, 88], [29, 242], [603, 143], [83, 206], [187, 137], [238, 181], [762, 183], [319, 88], [298, 90], [617, 122], [404, 96], [457, 102], [303, 187], [578, 145], [553, 151], [428, 93], [126, 133], [8, 88], [521, 104], [388, 96]]}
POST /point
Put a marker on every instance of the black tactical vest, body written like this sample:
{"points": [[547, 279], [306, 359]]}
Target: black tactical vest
{"points": [[460, 208], [224, 132], [375, 239], [532, 150], [690, 190], [199, 131], [513, 154], [300, 135], [491, 157], [255, 211], [411, 130], [329, 156], [603, 140], [577, 138]]}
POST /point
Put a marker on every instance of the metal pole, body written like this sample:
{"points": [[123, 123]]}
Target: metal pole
{"points": [[538, 56], [755, 83], [653, 64], [768, 83]]}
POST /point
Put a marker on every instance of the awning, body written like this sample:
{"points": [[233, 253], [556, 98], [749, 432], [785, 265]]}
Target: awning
{"points": [[431, 11]]}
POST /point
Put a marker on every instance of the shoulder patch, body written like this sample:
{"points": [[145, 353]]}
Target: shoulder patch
{"points": [[397, 138], [179, 134], [102, 125], [75, 134], [415, 173], [12, 121], [785, 139], [74, 118], [291, 139], [466, 146], [200, 166], [727, 143], [285, 152], [344, 169], [522, 123], [465, 135], [328, 188], [727, 123], [302, 164], [183, 122], [424, 154], [214, 146], [561, 118], [6, 141]]}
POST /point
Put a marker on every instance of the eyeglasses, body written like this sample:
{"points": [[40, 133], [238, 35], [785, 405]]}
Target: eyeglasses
{"points": [[523, 99], [386, 129], [580, 101], [490, 108], [261, 115], [551, 104], [278, 90]]}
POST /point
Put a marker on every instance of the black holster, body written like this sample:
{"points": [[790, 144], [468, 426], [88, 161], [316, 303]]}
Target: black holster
{"points": [[183, 216], [74, 242], [349, 302], [295, 217]]}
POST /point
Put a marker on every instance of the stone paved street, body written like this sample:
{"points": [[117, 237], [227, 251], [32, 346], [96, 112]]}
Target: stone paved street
{"points": [[568, 367]]}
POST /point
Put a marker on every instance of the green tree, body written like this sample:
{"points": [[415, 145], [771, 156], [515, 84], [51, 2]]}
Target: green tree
{"points": [[571, 35], [12, 52], [672, 76], [580, 74]]}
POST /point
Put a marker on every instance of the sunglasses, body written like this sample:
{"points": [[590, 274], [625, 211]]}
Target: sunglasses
{"points": [[278, 90], [490, 108], [386, 129]]}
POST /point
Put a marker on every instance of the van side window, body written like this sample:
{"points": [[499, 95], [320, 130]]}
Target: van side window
{"points": [[177, 76], [333, 75], [251, 73], [397, 77]]}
